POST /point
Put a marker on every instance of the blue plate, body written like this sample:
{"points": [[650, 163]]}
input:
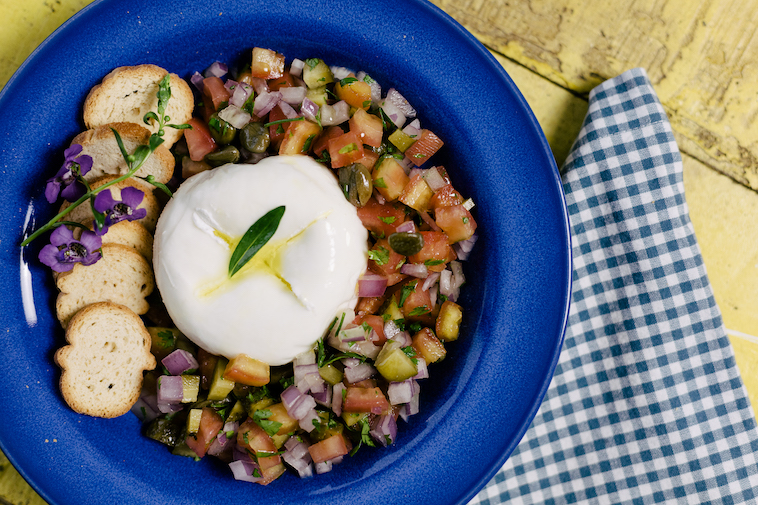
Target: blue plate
{"points": [[480, 400]]}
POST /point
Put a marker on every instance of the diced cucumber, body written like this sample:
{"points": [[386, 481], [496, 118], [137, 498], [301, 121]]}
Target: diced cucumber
{"points": [[352, 418], [317, 73], [319, 95], [395, 365], [401, 140], [220, 387], [392, 312], [238, 413], [190, 388], [330, 374], [193, 421]]}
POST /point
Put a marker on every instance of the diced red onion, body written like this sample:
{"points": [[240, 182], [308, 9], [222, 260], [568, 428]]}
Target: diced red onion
{"points": [[390, 329], [197, 80], [340, 72], [415, 270], [408, 226], [433, 295], [223, 443], [337, 398], [170, 389], [406, 164], [327, 115], [243, 470], [413, 406], [413, 129], [372, 285], [217, 69], [293, 94], [379, 198], [366, 348], [353, 334], [180, 361], [297, 404], [400, 392], [235, 116], [324, 397], [458, 278], [446, 285], [309, 109], [301, 372], [415, 171], [240, 95], [430, 281], [359, 372], [230, 84], [323, 467], [384, 430], [400, 102], [428, 220], [306, 422], [291, 397], [260, 85], [266, 101], [305, 358], [393, 112], [169, 407], [434, 179], [463, 248], [376, 89], [287, 109], [423, 370], [468, 204], [145, 408], [296, 67], [402, 338], [302, 467], [350, 362], [341, 112]]}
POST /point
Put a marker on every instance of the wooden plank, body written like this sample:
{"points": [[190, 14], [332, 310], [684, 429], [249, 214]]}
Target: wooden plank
{"points": [[701, 55]]}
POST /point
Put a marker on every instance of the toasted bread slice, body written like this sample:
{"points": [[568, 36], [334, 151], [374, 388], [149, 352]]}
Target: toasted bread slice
{"points": [[128, 233], [121, 276], [126, 94], [109, 348], [83, 213], [107, 159]]}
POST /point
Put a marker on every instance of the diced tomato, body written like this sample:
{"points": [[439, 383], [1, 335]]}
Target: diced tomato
{"points": [[359, 399], [456, 222], [417, 305], [436, 252], [356, 93], [199, 140], [417, 194], [376, 323], [369, 305], [330, 448], [381, 219], [210, 425], [299, 137], [446, 196], [365, 383], [368, 127], [386, 262], [345, 149], [390, 178], [427, 144], [271, 474], [369, 159], [429, 346], [251, 437], [276, 131], [322, 142], [246, 370], [285, 81], [267, 64], [214, 90]]}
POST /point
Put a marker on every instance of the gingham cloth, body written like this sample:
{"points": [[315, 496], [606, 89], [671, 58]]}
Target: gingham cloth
{"points": [[647, 404]]}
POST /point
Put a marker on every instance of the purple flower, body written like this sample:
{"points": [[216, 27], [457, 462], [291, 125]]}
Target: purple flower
{"points": [[116, 211], [65, 181], [64, 250]]}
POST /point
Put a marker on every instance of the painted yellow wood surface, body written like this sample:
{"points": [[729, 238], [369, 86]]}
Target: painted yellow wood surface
{"points": [[701, 56]]}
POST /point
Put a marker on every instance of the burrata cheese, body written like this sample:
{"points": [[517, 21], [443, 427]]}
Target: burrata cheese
{"points": [[284, 299]]}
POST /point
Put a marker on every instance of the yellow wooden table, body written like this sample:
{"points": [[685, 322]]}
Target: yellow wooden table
{"points": [[702, 58]]}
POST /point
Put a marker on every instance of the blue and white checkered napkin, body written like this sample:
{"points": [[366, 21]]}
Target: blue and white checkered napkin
{"points": [[647, 404]]}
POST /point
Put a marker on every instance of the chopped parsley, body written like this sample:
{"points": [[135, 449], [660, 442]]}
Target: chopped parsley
{"points": [[405, 293], [312, 62], [411, 353], [167, 338], [465, 220], [419, 311], [381, 256], [260, 417], [365, 437], [308, 142], [431, 263], [379, 183], [387, 220], [347, 81]]}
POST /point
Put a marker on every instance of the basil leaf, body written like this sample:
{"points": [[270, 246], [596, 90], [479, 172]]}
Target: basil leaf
{"points": [[255, 238]]}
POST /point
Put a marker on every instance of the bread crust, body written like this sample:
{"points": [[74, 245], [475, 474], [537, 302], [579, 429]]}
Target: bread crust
{"points": [[121, 276], [128, 93], [102, 367], [107, 159]]}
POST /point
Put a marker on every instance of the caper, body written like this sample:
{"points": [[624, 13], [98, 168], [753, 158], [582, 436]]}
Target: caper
{"points": [[255, 137], [406, 243], [356, 184], [228, 154], [221, 131]]}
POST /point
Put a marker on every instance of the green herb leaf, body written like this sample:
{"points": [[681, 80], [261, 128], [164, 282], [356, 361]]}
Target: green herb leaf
{"points": [[411, 353], [260, 417], [419, 311], [349, 148], [379, 183], [407, 290], [387, 220], [431, 263], [255, 238], [286, 120], [312, 62], [167, 338], [381, 256], [307, 144], [348, 80], [151, 180]]}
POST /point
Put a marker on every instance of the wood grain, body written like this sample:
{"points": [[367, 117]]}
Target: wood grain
{"points": [[701, 55]]}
